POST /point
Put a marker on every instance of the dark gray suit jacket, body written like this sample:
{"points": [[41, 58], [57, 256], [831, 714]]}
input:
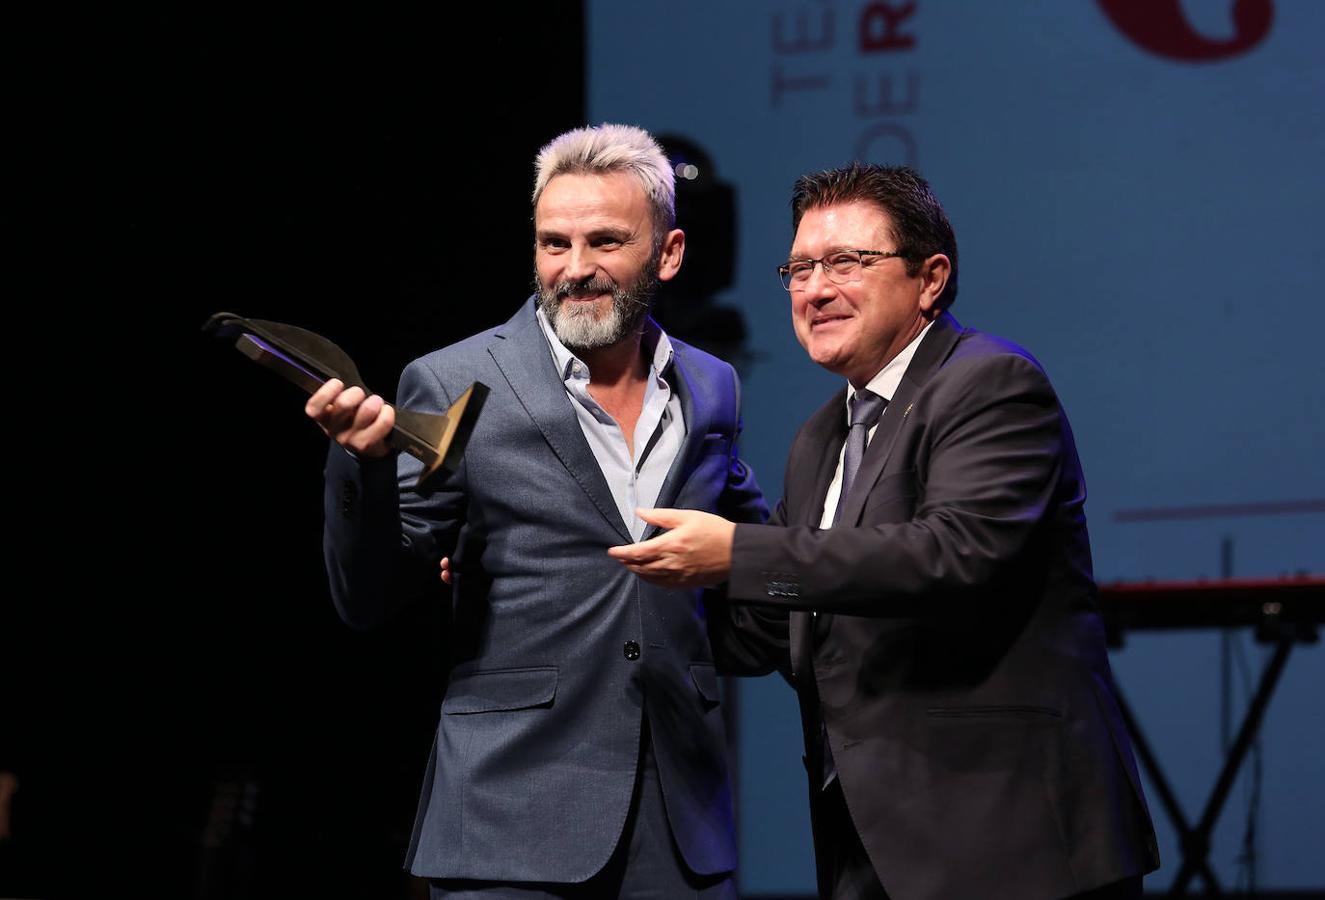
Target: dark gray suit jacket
{"points": [[960, 665], [555, 647]]}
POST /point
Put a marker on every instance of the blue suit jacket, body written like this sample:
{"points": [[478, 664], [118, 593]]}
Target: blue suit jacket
{"points": [[539, 736]]}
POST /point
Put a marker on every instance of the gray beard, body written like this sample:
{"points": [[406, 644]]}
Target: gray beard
{"points": [[580, 328]]}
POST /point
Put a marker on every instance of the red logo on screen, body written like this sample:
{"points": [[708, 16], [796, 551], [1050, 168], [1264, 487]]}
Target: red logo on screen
{"points": [[1161, 27]]}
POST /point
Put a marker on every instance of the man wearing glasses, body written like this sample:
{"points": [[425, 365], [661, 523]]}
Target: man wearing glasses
{"points": [[925, 583], [580, 751]]}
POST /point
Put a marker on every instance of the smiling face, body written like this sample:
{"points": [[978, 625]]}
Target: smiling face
{"points": [[854, 329], [595, 257]]}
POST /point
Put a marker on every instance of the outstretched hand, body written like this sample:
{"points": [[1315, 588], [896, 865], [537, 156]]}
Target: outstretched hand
{"points": [[696, 551]]}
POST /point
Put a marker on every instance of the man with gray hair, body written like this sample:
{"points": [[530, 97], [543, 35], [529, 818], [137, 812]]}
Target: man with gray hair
{"points": [[580, 750]]}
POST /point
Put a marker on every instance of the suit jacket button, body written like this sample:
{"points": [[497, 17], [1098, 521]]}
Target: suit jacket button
{"points": [[631, 650]]}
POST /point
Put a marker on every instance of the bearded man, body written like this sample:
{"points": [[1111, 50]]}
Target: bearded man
{"points": [[580, 748]]}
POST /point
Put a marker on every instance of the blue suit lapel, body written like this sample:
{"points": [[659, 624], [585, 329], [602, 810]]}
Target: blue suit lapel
{"points": [[521, 353], [698, 400]]}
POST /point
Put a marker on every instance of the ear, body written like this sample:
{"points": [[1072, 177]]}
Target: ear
{"points": [[934, 274], [673, 248]]}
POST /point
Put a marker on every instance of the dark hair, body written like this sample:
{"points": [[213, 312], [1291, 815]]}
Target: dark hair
{"points": [[920, 227]]}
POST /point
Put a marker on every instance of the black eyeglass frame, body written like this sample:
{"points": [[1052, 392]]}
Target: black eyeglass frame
{"points": [[784, 270]]}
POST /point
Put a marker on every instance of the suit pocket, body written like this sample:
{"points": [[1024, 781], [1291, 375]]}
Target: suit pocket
{"points": [[501, 689], [705, 676]]}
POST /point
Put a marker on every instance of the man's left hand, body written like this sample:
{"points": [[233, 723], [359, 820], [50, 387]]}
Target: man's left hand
{"points": [[695, 552]]}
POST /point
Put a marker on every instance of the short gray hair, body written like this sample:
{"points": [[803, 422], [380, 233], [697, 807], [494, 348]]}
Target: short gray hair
{"points": [[604, 149]]}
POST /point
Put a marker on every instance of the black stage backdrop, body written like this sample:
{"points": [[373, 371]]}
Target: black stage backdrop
{"points": [[185, 712]]}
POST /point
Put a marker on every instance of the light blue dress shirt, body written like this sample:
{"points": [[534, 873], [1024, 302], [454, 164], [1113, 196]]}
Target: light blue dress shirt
{"points": [[659, 433]]}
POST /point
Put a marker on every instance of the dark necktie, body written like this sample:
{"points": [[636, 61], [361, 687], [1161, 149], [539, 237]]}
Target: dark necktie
{"points": [[866, 407]]}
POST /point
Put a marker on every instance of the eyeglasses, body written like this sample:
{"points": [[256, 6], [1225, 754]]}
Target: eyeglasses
{"points": [[840, 266]]}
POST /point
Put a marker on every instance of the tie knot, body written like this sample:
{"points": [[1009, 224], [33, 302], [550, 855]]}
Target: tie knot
{"points": [[866, 407]]}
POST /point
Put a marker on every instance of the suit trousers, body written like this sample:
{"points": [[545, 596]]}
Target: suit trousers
{"points": [[646, 864]]}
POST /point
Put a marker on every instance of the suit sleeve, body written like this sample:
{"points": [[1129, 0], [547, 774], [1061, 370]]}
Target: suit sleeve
{"points": [[984, 475], [383, 538], [748, 639], [745, 641]]}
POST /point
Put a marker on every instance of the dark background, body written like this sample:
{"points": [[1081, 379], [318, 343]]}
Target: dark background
{"points": [[186, 713]]}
